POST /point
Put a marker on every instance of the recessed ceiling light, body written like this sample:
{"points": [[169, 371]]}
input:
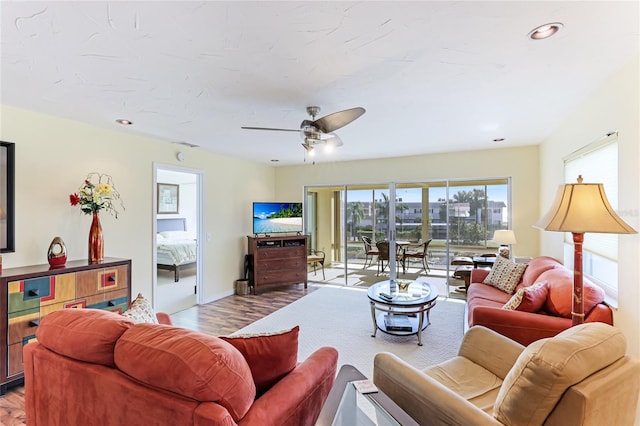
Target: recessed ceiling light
{"points": [[498, 140], [124, 122], [545, 31]]}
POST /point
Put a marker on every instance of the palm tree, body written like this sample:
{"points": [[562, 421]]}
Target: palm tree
{"points": [[382, 212], [356, 213]]}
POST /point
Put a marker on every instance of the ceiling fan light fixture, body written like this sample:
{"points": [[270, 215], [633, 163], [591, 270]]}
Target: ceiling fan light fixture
{"points": [[309, 148]]}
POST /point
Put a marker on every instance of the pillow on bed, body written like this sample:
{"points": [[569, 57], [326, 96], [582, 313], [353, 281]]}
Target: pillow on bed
{"points": [[160, 238], [176, 235]]}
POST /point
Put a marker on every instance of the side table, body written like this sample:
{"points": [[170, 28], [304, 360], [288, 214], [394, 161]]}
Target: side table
{"points": [[409, 300], [345, 406]]}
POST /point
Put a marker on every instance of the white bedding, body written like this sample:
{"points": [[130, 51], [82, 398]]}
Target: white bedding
{"points": [[175, 249]]}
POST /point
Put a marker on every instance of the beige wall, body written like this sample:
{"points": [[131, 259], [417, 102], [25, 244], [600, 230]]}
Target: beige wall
{"points": [[53, 156], [521, 164], [613, 106]]}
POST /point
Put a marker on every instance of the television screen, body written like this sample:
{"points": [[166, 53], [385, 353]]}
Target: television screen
{"points": [[272, 218]]}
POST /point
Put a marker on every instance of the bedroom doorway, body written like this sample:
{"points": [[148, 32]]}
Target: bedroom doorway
{"points": [[177, 227]]}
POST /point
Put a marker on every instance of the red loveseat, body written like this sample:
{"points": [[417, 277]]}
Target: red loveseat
{"points": [[536, 319], [93, 367]]}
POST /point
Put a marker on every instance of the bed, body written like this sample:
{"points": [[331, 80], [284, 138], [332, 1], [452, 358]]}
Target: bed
{"points": [[176, 250]]}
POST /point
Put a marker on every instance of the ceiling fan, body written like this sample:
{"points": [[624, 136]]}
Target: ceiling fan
{"points": [[320, 132]]}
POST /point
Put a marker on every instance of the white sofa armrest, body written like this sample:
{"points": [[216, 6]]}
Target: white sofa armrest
{"points": [[423, 398]]}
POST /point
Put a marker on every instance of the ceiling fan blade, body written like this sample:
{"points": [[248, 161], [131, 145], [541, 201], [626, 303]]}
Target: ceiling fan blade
{"points": [[331, 122], [269, 128]]}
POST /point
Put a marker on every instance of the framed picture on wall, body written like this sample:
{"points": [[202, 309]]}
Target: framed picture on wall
{"points": [[7, 193], [168, 198]]}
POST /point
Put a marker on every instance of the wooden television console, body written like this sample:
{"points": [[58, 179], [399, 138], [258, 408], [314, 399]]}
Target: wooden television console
{"points": [[277, 260]]}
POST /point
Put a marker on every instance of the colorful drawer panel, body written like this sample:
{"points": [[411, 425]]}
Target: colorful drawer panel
{"points": [[14, 363], [23, 326], [36, 292], [101, 280], [117, 304]]}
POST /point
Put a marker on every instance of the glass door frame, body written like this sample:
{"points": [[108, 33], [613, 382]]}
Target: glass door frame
{"points": [[449, 185]]}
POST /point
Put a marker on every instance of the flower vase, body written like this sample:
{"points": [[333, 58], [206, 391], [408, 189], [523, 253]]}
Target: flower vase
{"points": [[96, 242]]}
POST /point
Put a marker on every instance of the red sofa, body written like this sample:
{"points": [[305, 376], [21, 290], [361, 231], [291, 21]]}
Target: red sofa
{"points": [[485, 303], [93, 367]]}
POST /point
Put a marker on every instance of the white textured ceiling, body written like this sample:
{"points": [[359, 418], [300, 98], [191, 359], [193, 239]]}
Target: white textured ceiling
{"points": [[433, 76]]}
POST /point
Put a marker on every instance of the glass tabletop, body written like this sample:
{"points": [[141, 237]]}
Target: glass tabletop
{"points": [[403, 292], [356, 409]]}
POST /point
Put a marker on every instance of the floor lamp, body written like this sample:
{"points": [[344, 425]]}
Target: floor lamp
{"points": [[579, 208]]}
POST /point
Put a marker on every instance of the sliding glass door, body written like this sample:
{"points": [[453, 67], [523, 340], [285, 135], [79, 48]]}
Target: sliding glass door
{"points": [[458, 216]]}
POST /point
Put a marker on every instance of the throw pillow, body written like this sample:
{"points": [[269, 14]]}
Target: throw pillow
{"points": [[529, 299], [140, 310], [270, 356], [505, 274]]}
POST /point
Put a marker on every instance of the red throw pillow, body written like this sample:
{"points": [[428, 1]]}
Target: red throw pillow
{"points": [[529, 299], [534, 297], [560, 300], [270, 356]]}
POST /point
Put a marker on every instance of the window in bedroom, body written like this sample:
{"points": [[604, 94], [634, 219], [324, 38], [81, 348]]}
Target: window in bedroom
{"points": [[597, 163]]}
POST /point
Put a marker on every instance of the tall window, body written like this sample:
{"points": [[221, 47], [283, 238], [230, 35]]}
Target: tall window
{"points": [[597, 163]]}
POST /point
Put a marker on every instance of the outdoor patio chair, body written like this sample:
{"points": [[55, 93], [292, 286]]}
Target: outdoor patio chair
{"points": [[383, 255], [369, 251], [418, 252], [315, 258]]}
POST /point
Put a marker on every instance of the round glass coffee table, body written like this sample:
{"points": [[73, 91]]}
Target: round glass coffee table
{"points": [[405, 311]]}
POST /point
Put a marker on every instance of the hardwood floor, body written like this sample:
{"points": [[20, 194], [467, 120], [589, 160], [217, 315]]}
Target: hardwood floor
{"points": [[218, 318]]}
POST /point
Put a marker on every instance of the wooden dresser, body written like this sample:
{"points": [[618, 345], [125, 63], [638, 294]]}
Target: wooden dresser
{"points": [[275, 261], [29, 293]]}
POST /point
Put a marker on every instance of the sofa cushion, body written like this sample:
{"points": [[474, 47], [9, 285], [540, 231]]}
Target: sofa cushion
{"points": [[547, 367], [140, 310], [270, 356], [192, 364], [529, 299], [467, 379], [487, 292], [560, 299], [505, 274], [87, 335], [537, 266]]}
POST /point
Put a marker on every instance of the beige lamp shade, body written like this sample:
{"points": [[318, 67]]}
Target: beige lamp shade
{"points": [[504, 237], [583, 207]]}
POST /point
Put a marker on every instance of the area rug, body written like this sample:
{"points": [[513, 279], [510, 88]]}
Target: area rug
{"points": [[341, 317]]}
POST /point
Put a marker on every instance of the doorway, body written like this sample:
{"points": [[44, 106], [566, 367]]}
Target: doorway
{"points": [[177, 230]]}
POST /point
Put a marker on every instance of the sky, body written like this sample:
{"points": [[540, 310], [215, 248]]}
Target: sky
{"points": [[414, 195]]}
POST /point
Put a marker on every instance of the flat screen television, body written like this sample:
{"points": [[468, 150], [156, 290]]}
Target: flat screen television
{"points": [[276, 218]]}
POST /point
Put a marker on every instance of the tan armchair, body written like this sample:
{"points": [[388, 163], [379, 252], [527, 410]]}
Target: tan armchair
{"points": [[579, 377]]}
